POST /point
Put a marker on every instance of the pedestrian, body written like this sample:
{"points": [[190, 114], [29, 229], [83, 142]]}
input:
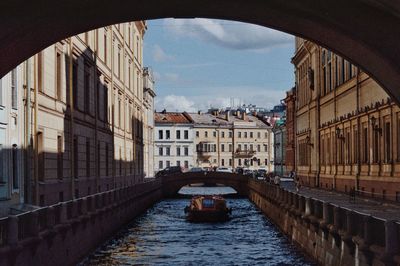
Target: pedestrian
{"points": [[277, 180], [297, 182]]}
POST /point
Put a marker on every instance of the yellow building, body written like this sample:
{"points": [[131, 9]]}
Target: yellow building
{"points": [[87, 113], [347, 127], [232, 140]]}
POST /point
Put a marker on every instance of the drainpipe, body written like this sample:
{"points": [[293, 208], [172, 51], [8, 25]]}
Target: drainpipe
{"points": [[25, 197], [71, 108], [36, 162], [357, 185]]}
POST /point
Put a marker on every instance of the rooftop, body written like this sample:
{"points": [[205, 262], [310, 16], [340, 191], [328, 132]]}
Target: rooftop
{"points": [[171, 117]]}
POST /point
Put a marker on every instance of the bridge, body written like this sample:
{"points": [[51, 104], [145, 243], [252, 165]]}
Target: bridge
{"points": [[345, 27], [171, 184]]}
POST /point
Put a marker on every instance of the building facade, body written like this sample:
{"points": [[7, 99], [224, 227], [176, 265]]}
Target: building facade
{"points": [[232, 139], [347, 127], [174, 144], [12, 141], [148, 123], [71, 118], [279, 131], [290, 157]]}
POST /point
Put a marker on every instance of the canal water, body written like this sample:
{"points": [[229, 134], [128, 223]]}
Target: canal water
{"points": [[162, 236]]}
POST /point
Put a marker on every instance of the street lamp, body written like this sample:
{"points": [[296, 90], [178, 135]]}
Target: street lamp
{"points": [[339, 134], [374, 125]]}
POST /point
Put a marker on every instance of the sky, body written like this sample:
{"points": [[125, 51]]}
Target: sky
{"points": [[203, 63]]}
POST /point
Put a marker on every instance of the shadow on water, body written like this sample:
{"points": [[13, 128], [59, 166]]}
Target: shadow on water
{"points": [[162, 236]]}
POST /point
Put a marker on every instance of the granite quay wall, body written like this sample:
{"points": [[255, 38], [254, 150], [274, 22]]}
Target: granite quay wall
{"points": [[330, 234], [64, 233]]}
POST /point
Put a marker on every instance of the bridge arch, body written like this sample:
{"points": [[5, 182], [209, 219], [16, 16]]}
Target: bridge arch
{"points": [[171, 184], [363, 31]]}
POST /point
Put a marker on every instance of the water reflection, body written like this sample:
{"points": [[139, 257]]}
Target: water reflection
{"points": [[162, 236]]}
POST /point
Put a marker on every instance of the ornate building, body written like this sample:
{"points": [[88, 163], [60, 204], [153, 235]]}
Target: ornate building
{"points": [[232, 139], [290, 157], [347, 127]]}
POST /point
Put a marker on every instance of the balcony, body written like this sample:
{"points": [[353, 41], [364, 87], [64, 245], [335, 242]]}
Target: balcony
{"points": [[244, 153], [205, 149]]}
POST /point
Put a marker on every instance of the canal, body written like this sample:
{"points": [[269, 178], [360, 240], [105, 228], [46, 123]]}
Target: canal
{"points": [[162, 236]]}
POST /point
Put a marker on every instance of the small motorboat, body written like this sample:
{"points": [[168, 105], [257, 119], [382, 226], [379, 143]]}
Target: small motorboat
{"points": [[210, 208]]}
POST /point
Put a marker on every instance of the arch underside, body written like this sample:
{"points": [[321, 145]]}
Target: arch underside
{"points": [[366, 32], [173, 183]]}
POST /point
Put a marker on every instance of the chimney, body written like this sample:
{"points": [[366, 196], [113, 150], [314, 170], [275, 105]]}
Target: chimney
{"points": [[227, 113], [244, 116]]}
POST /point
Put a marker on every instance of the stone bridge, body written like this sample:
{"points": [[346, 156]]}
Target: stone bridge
{"points": [[171, 184]]}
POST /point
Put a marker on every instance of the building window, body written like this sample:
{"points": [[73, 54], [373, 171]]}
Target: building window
{"points": [[40, 70], [258, 134], [87, 157], [178, 134], [14, 161], [14, 100], [222, 162], [245, 147], [376, 149], [167, 134], [58, 75], [186, 151], [245, 135], [214, 134], [239, 147], [265, 148], [168, 151], [186, 134], [87, 89], [60, 165], [197, 133], [240, 162], [178, 151], [40, 154], [365, 145], [230, 162], [107, 160], [76, 157], [259, 148], [168, 163], [186, 164], [222, 134], [75, 85], [251, 135], [206, 134], [239, 134], [160, 164], [388, 151], [230, 147], [266, 135], [160, 134], [160, 151], [230, 134], [251, 147], [178, 163], [222, 147]]}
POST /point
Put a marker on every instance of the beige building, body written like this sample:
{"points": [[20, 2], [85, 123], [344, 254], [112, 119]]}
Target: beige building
{"points": [[148, 122], [87, 114], [232, 140], [347, 127]]}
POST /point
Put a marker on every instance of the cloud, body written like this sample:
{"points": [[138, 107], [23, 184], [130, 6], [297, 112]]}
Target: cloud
{"points": [[171, 77], [160, 56], [233, 35], [203, 99], [174, 103]]}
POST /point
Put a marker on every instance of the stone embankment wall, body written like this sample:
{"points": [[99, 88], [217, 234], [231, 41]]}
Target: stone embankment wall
{"points": [[65, 233], [330, 234]]}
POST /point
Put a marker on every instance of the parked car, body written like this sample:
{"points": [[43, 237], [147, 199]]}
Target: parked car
{"points": [[196, 170], [224, 170], [261, 174], [169, 170]]}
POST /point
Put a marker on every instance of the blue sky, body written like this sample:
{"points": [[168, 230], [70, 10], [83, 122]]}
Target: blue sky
{"points": [[202, 63]]}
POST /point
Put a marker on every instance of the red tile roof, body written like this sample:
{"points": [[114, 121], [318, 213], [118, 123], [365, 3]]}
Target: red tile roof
{"points": [[169, 117]]}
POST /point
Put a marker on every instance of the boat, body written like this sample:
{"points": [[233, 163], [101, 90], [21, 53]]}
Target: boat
{"points": [[209, 208]]}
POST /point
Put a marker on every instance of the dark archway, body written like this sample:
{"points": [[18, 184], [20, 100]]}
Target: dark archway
{"points": [[171, 184], [366, 32]]}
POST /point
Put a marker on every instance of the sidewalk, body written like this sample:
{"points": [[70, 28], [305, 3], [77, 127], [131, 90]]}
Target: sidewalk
{"points": [[383, 210]]}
